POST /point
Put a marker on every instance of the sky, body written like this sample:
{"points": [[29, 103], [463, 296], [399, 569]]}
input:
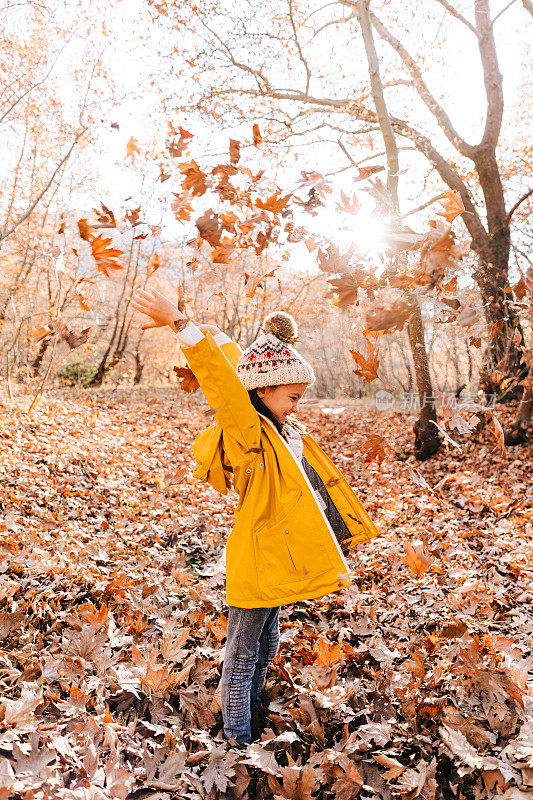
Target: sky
{"points": [[131, 53]]}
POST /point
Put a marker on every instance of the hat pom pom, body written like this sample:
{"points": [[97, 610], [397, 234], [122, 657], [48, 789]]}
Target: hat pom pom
{"points": [[281, 325]]}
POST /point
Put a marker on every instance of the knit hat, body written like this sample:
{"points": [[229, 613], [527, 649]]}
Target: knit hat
{"points": [[271, 360]]}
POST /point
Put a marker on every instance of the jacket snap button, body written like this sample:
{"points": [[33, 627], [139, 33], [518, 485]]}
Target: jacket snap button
{"points": [[248, 470], [261, 465], [287, 532]]}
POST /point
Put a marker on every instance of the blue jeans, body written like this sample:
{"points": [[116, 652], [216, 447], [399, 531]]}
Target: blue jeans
{"points": [[251, 644]]}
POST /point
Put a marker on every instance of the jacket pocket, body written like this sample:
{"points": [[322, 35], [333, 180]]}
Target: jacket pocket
{"points": [[292, 549]]}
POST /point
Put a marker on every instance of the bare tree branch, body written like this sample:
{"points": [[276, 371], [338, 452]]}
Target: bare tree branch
{"points": [[429, 100], [491, 75], [504, 9], [421, 207], [528, 5], [5, 234], [453, 11], [299, 48], [519, 203]]}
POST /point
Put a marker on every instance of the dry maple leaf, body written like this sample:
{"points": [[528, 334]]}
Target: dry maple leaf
{"points": [[105, 256], [132, 149], [253, 281], [189, 383], [367, 365], [222, 254], [153, 264], [332, 260], [133, 217], [80, 294], [274, 203], [194, 179], [388, 318], [350, 205], [415, 559], [209, 227], [367, 172], [453, 207], [256, 134], [345, 288], [105, 217], [327, 653], [86, 232], [375, 447], [234, 151]]}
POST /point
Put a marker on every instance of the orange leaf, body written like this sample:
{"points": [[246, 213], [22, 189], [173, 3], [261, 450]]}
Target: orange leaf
{"points": [[369, 365], [132, 148], [256, 134], [375, 447], [452, 208], [189, 383], [153, 264], [415, 559], [104, 255]]}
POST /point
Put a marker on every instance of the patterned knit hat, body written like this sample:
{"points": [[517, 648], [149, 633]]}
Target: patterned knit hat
{"points": [[270, 360]]}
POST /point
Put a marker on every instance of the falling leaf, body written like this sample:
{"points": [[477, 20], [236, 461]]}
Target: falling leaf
{"points": [[153, 264], [105, 256], [415, 559], [375, 448], [132, 149], [367, 365], [453, 207], [234, 151], [256, 134], [189, 383]]}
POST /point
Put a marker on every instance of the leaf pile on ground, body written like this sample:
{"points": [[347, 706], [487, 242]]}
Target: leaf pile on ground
{"points": [[411, 684]]}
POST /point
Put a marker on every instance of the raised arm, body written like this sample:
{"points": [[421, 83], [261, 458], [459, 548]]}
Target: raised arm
{"points": [[213, 364]]}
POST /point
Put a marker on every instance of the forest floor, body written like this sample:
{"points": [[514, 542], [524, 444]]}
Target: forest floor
{"points": [[412, 683]]}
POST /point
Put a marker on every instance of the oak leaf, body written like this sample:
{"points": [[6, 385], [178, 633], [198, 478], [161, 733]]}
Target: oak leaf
{"points": [[189, 383]]}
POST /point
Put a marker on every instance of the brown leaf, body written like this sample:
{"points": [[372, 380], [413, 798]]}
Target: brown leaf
{"points": [[189, 383], [367, 365], [234, 151], [415, 559], [256, 134]]}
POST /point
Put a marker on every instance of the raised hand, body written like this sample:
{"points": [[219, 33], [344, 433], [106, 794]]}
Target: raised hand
{"points": [[156, 306]]}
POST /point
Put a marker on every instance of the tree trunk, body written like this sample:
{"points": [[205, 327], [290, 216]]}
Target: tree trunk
{"points": [[518, 432], [38, 360], [427, 441]]}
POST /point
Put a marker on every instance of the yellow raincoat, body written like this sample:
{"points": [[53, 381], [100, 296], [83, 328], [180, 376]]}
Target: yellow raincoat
{"points": [[282, 548]]}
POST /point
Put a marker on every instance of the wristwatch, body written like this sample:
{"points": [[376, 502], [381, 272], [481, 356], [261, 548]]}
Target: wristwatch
{"points": [[180, 324]]}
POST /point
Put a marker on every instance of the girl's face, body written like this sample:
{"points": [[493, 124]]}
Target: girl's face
{"points": [[282, 400]]}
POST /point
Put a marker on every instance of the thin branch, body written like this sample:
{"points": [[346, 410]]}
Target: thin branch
{"points": [[4, 235], [453, 11], [300, 52], [518, 203], [425, 205], [528, 5], [427, 97], [504, 9]]}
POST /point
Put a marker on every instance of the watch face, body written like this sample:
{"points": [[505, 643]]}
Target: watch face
{"points": [[180, 324]]}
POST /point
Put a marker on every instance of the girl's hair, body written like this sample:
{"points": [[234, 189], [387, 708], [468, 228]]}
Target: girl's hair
{"points": [[263, 409]]}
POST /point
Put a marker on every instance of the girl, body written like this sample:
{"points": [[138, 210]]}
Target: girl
{"points": [[296, 514]]}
